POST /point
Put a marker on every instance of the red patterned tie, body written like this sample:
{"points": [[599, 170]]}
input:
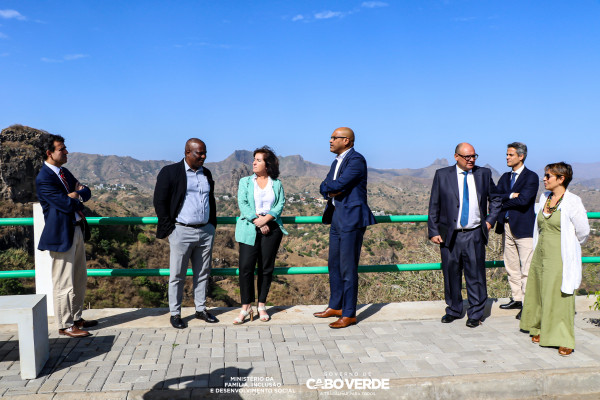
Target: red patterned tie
{"points": [[64, 181]]}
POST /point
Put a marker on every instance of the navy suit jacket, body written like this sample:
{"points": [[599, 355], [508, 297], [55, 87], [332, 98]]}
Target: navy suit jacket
{"points": [[522, 216], [351, 203], [59, 209], [169, 194], [444, 203]]}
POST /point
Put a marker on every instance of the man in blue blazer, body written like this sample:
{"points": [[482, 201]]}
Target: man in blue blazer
{"points": [[459, 223], [518, 190], [61, 197], [345, 189]]}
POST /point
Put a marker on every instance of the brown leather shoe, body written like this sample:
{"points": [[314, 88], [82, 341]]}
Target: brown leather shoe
{"points": [[74, 332], [82, 323], [343, 322], [329, 312], [564, 351], [535, 339]]}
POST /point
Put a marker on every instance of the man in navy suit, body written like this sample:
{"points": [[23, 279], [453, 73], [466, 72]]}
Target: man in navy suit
{"points": [[518, 191], [61, 197], [459, 223], [345, 189]]}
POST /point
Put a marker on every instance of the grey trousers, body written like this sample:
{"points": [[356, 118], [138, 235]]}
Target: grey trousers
{"points": [[187, 244]]}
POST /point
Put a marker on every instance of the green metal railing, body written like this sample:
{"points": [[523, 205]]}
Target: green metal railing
{"points": [[132, 272], [220, 220]]}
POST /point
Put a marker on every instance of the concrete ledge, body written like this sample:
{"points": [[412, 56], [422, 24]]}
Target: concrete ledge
{"points": [[290, 315]]}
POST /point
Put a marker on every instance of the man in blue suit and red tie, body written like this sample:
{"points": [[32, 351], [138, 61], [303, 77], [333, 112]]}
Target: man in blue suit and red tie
{"points": [[459, 223], [345, 189], [61, 197], [518, 190]]}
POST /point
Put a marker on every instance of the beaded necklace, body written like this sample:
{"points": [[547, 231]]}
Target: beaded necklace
{"points": [[551, 210]]}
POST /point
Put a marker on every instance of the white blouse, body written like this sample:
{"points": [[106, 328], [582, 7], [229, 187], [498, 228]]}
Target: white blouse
{"points": [[574, 231], [263, 198]]}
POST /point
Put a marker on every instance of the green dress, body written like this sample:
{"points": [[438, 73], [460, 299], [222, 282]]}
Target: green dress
{"points": [[546, 310]]}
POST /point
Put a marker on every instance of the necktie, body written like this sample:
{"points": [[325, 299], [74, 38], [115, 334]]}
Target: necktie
{"points": [[64, 181], [513, 177], [464, 216]]}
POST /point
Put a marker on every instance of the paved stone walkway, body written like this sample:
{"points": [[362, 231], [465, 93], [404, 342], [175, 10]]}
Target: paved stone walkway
{"points": [[274, 359]]}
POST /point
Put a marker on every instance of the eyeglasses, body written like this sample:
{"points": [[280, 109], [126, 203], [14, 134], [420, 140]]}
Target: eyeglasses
{"points": [[469, 157], [339, 137], [548, 176]]}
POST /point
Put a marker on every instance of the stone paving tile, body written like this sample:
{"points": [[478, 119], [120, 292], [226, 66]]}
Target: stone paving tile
{"points": [[203, 356]]}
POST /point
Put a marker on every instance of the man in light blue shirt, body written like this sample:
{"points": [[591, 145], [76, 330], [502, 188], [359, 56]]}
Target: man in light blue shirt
{"points": [[184, 202]]}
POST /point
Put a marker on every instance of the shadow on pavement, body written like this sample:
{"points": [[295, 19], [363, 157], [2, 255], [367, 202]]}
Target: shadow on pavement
{"points": [[222, 383], [69, 352]]}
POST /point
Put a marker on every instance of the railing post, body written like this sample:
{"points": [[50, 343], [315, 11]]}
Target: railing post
{"points": [[43, 261]]}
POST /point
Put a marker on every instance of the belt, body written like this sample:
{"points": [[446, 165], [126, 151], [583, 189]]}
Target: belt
{"points": [[191, 225], [467, 230]]}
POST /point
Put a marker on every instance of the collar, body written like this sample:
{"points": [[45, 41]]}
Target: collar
{"points": [[460, 171], [254, 178], [188, 168], [53, 167], [340, 157], [518, 172]]}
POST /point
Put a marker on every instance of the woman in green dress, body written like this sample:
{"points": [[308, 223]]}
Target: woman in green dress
{"points": [[561, 228]]}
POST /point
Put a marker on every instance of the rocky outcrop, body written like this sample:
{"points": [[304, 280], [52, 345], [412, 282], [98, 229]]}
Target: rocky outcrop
{"points": [[21, 149], [20, 160]]}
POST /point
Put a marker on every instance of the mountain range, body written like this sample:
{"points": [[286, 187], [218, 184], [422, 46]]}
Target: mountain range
{"points": [[95, 169]]}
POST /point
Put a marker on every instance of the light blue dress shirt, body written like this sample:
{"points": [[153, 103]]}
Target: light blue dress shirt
{"points": [[196, 208]]}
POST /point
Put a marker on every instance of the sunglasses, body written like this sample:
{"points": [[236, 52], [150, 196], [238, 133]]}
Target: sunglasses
{"points": [[548, 176]]}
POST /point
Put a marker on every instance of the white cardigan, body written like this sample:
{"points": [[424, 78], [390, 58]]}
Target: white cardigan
{"points": [[574, 231]]}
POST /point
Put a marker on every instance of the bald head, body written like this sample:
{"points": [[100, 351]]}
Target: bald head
{"points": [[465, 156], [191, 141], [195, 153], [341, 140], [344, 131]]}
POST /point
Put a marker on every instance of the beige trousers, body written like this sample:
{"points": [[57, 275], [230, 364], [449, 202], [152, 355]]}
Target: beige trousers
{"points": [[517, 257], [69, 280]]}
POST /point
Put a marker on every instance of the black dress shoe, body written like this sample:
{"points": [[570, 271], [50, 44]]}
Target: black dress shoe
{"points": [[206, 316], [473, 323], [446, 319], [512, 305], [519, 315], [177, 322]]}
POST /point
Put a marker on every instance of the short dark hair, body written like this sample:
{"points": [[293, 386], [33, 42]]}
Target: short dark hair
{"points": [[49, 144], [561, 169], [521, 148], [271, 161]]}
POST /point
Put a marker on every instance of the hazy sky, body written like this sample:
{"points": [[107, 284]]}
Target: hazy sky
{"points": [[412, 78]]}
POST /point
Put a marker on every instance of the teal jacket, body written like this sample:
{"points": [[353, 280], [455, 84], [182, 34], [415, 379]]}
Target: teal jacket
{"points": [[245, 230]]}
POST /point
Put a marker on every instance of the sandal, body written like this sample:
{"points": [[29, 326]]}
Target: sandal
{"points": [[244, 314], [263, 318], [535, 339]]}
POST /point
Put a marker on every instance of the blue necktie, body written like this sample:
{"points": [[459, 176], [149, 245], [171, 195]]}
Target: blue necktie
{"points": [[464, 216], [513, 177]]}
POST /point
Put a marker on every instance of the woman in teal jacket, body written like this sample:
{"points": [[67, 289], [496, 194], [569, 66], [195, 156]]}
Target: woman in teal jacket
{"points": [[259, 230]]}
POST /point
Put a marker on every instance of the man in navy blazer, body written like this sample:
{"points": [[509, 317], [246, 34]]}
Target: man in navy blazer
{"points": [[61, 197], [518, 190], [345, 189], [459, 223]]}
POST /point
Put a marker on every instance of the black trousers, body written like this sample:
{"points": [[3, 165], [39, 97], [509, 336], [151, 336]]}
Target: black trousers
{"points": [[262, 256], [467, 255]]}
